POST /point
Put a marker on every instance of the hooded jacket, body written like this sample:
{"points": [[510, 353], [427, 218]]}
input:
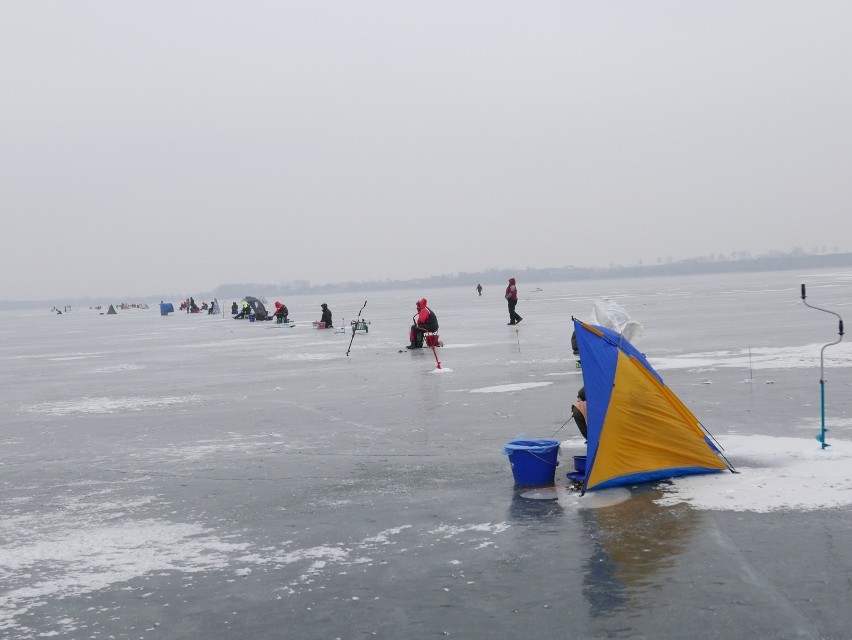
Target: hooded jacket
{"points": [[511, 290], [326, 316], [422, 312]]}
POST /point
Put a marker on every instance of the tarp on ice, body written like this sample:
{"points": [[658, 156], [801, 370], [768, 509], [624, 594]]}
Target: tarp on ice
{"points": [[257, 307]]}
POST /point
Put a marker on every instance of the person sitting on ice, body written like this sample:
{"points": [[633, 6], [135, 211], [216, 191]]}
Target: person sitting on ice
{"points": [[281, 312], [424, 320], [326, 316], [246, 311], [575, 348], [214, 307], [578, 411]]}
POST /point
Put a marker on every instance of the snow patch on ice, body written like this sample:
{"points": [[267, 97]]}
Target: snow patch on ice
{"points": [[305, 357], [119, 367], [503, 388], [774, 474], [57, 357], [450, 531], [231, 443], [107, 405], [80, 559], [794, 357]]}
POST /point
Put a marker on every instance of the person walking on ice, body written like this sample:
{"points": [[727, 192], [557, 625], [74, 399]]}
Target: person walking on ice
{"points": [[512, 299]]}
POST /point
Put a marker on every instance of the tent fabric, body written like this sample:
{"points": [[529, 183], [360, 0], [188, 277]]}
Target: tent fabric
{"points": [[638, 429], [257, 307]]}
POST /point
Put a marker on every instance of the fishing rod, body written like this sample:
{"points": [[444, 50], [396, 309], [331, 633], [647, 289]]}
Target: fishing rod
{"points": [[354, 327], [563, 425], [821, 436]]}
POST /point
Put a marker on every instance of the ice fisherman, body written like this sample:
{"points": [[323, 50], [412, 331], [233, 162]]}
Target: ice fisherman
{"points": [[245, 312], [424, 320], [578, 411], [214, 307], [281, 312], [234, 309], [326, 316], [575, 349], [512, 299], [479, 289]]}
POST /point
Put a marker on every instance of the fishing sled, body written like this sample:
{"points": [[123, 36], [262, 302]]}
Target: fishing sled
{"points": [[360, 325]]}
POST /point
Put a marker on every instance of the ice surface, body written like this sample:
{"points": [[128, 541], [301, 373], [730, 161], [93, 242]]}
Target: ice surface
{"points": [[155, 467]]}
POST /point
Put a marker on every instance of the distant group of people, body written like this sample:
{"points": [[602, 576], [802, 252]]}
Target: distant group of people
{"points": [[253, 307], [190, 306], [424, 322]]}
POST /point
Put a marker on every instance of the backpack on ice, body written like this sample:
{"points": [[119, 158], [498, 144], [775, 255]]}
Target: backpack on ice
{"points": [[431, 321]]}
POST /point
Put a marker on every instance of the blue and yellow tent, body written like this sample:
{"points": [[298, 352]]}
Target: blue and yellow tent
{"points": [[638, 430]]}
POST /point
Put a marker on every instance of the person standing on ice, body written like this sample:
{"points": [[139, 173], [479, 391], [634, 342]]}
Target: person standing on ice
{"points": [[512, 298], [479, 289], [424, 320], [326, 316]]}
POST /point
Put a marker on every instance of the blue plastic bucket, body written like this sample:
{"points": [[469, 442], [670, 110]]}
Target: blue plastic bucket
{"points": [[580, 464], [533, 461]]}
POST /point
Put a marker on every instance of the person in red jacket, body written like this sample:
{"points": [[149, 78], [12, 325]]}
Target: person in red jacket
{"points": [[424, 320], [512, 298], [281, 312]]}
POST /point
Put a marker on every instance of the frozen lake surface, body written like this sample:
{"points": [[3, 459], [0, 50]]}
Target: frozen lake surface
{"points": [[194, 476]]}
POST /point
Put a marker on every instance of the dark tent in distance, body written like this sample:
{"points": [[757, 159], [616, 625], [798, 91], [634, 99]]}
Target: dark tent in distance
{"points": [[257, 308]]}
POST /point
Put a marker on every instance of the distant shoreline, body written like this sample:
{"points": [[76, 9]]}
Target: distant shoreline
{"points": [[692, 266]]}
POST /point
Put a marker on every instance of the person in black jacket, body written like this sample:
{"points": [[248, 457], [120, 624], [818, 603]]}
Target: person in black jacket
{"points": [[326, 316], [578, 411]]}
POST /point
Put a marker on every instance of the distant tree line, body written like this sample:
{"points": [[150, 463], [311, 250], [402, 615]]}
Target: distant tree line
{"points": [[734, 263], [737, 262]]}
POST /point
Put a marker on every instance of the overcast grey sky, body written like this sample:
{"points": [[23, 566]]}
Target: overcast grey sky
{"points": [[174, 146]]}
